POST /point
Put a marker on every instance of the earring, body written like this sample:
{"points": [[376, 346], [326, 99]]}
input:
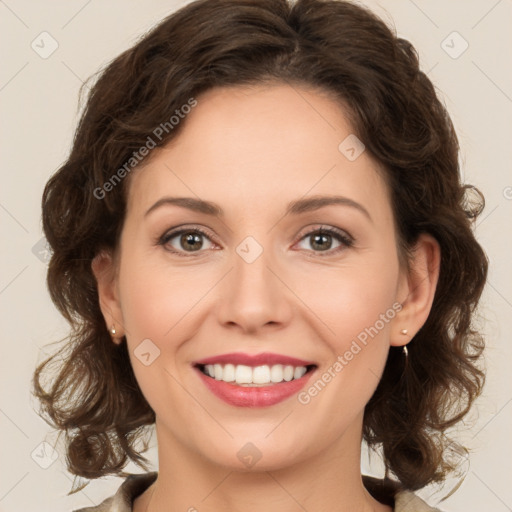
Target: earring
{"points": [[113, 330], [404, 349]]}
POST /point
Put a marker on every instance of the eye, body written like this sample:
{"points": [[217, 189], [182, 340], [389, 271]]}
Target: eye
{"points": [[191, 240], [321, 240], [188, 240]]}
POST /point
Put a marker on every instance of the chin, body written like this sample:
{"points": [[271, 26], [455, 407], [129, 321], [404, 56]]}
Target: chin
{"points": [[258, 454]]}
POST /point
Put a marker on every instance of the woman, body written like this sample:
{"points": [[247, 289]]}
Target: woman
{"points": [[263, 246]]}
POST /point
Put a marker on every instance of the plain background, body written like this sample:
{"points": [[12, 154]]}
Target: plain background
{"points": [[39, 112]]}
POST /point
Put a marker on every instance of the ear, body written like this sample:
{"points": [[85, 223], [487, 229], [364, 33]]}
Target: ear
{"points": [[416, 290], [105, 272]]}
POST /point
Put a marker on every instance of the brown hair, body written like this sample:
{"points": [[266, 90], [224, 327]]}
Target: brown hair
{"points": [[332, 46]]}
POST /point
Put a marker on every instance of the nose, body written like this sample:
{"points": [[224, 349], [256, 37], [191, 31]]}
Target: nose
{"points": [[254, 295]]}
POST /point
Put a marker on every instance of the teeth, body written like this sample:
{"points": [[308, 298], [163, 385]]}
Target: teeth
{"points": [[276, 373], [260, 375], [299, 372], [288, 373], [243, 374], [228, 374], [254, 376]]}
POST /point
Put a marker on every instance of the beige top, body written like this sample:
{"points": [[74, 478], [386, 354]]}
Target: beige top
{"points": [[135, 485]]}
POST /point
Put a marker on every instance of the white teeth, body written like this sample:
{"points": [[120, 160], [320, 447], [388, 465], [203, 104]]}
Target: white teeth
{"points": [[288, 373], [261, 375], [228, 374], [299, 372], [254, 376], [276, 373], [243, 374]]}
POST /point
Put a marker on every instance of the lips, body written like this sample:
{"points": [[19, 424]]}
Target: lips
{"points": [[253, 395], [265, 358]]}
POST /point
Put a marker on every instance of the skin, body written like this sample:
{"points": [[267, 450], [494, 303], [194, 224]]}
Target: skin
{"points": [[252, 150]]}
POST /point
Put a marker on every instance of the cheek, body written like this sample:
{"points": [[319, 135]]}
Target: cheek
{"points": [[349, 299], [155, 302], [358, 305], [155, 298], [162, 308]]}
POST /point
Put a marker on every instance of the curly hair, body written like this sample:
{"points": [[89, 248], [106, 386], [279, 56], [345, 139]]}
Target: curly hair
{"points": [[332, 46]]}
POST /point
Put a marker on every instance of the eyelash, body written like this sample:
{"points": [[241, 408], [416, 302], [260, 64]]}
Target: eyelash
{"points": [[345, 239]]}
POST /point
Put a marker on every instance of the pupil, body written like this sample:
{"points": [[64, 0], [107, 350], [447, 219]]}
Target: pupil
{"points": [[191, 238], [324, 237]]}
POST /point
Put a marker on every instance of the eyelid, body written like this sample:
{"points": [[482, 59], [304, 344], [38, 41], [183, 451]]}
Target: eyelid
{"points": [[325, 228], [345, 238], [178, 230]]}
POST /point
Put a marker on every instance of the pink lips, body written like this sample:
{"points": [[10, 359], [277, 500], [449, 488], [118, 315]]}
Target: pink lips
{"points": [[247, 396], [253, 360]]}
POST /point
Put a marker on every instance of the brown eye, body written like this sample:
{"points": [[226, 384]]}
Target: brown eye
{"points": [[321, 240], [184, 240], [191, 240]]}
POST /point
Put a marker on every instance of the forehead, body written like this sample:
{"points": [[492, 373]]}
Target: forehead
{"points": [[259, 145]]}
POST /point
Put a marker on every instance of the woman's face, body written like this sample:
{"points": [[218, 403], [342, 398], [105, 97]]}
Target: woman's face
{"points": [[259, 278]]}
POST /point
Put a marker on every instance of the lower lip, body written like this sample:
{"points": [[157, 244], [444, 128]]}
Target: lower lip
{"points": [[244, 396]]}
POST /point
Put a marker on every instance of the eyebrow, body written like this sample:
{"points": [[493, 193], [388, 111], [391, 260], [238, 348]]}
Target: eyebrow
{"points": [[296, 207]]}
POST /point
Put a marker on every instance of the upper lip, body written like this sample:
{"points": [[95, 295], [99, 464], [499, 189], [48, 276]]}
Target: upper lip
{"points": [[265, 358]]}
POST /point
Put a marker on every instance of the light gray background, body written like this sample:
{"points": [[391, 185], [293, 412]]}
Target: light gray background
{"points": [[39, 98]]}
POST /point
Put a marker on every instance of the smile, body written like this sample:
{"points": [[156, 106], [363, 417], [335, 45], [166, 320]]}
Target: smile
{"points": [[254, 381], [258, 376]]}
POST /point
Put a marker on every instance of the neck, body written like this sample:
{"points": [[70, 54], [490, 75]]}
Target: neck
{"points": [[328, 481]]}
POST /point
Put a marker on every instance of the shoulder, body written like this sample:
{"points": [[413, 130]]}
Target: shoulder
{"points": [[121, 501], [104, 506], [390, 492], [406, 501]]}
